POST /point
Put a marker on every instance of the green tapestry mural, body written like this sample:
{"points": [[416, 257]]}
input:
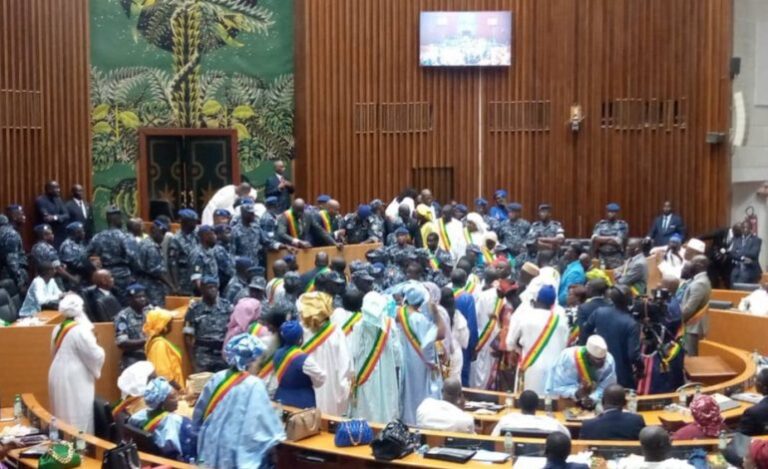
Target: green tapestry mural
{"points": [[191, 64]]}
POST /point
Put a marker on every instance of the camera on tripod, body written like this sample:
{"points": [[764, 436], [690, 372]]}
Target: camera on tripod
{"points": [[651, 309]]}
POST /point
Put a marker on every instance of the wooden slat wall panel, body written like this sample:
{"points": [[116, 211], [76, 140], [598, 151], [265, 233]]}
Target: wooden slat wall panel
{"points": [[355, 57], [44, 102]]}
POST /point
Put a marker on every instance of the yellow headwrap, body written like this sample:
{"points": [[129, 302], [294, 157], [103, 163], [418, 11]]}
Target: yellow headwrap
{"points": [[315, 308], [424, 211], [156, 321]]}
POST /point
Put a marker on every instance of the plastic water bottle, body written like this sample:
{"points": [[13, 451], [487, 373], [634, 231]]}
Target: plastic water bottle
{"points": [[682, 399], [53, 430], [509, 445], [756, 357], [279, 411], [548, 405], [80, 443], [698, 390], [632, 403], [18, 409], [509, 401], [722, 441]]}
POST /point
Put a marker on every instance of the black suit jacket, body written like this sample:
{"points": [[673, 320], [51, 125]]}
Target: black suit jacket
{"points": [[660, 236], [76, 214], [100, 307], [45, 205], [309, 231], [283, 195], [755, 419], [612, 425]]}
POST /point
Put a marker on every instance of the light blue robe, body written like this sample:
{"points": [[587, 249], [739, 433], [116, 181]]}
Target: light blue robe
{"points": [[418, 380], [573, 275], [173, 435], [563, 380], [241, 430]]}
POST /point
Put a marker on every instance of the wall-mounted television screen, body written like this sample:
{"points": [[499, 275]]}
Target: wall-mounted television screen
{"points": [[465, 39]]}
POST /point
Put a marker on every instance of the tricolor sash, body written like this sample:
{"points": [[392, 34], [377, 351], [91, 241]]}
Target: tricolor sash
{"points": [[373, 356], [293, 225], [65, 328], [350, 323], [267, 368], [541, 341], [255, 329], [586, 373], [433, 262], [674, 350], [326, 219], [272, 287], [311, 284], [151, 424], [443, 233], [123, 404], [176, 350], [319, 338], [402, 317], [292, 354], [232, 379], [693, 320], [487, 255], [490, 326], [573, 335], [468, 288]]}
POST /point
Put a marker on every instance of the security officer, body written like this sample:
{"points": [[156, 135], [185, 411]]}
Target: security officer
{"points": [[514, 231], [545, 233], [153, 270], [222, 216], [257, 288], [377, 272], [180, 249], [13, 261], [362, 281], [292, 286], [240, 280], [361, 227], [481, 207], [129, 327], [43, 251], [248, 239], [609, 238], [205, 327], [221, 252], [118, 252], [203, 260], [400, 249], [268, 221], [72, 254]]}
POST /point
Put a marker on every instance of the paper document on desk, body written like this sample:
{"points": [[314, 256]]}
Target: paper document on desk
{"points": [[750, 397], [490, 456], [530, 462], [725, 402]]}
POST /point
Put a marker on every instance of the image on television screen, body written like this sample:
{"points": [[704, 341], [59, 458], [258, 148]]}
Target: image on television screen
{"points": [[465, 38]]}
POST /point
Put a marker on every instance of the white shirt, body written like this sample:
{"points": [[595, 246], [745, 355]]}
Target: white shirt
{"points": [[638, 462], [526, 423], [393, 208], [225, 198], [755, 303], [39, 293], [435, 414]]}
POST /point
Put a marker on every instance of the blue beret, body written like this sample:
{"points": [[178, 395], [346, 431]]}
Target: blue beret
{"points": [[247, 200], [461, 208], [481, 202], [289, 258], [547, 295], [444, 258], [544, 206], [514, 207], [13, 207], [271, 200], [377, 268], [41, 227], [401, 231], [376, 203], [204, 229], [209, 280], [357, 265], [256, 270], [188, 214], [364, 211], [113, 210], [75, 225], [243, 262], [500, 193], [258, 283], [474, 249], [613, 207], [160, 224], [248, 207], [323, 198], [363, 274], [221, 212], [135, 289], [676, 237], [291, 332], [221, 228]]}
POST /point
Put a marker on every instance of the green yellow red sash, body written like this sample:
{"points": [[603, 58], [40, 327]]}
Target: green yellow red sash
{"points": [[232, 379], [674, 351], [697, 316], [292, 354], [293, 225], [255, 329], [490, 326], [176, 350], [402, 317], [122, 405], [267, 367], [573, 336], [66, 326], [467, 236], [443, 232], [319, 338], [434, 263], [468, 287], [326, 221], [153, 423], [373, 356], [541, 342], [272, 287], [586, 374], [350, 323], [311, 284], [487, 255]]}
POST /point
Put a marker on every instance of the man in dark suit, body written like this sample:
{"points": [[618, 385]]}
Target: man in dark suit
{"points": [[279, 186], [665, 225], [51, 210], [80, 210], [101, 304], [613, 423], [557, 450], [296, 227], [755, 419], [745, 253], [596, 289], [621, 332]]}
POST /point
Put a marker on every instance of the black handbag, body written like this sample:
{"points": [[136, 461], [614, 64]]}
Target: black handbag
{"points": [[394, 442], [124, 456]]}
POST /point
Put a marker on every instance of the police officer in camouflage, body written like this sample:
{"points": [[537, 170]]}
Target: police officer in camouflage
{"points": [[129, 327], [203, 260], [43, 251], [513, 232], [153, 270], [13, 260], [73, 256], [268, 221], [180, 249], [400, 249], [117, 251], [205, 327], [248, 240], [221, 252], [361, 227], [609, 238], [545, 233]]}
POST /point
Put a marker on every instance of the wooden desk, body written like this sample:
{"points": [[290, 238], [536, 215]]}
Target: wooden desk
{"points": [[46, 317], [740, 330], [708, 369], [734, 296], [305, 258], [86, 462]]}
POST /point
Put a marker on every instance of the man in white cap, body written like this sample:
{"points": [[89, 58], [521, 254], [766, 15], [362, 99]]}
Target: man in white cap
{"points": [[583, 373], [694, 247]]}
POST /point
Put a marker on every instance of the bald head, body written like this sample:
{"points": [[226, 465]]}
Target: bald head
{"points": [[452, 391], [279, 268], [243, 190], [333, 206], [102, 278], [670, 283], [634, 246], [321, 259], [655, 443], [458, 278], [298, 206]]}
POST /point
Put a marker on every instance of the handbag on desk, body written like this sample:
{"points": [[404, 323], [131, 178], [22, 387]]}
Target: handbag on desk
{"points": [[59, 456], [353, 433], [394, 442], [124, 456], [303, 424]]}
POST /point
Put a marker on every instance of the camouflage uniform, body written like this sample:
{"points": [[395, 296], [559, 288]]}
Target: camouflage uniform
{"points": [[117, 251], [397, 254], [152, 267], [248, 241], [226, 267], [129, 325], [204, 264], [359, 231], [180, 251], [268, 225], [44, 253], [513, 235], [540, 229], [13, 261], [208, 324], [233, 289], [72, 255], [610, 255]]}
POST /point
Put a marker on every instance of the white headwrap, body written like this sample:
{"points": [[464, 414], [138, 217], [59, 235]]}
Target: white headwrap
{"points": [[72, 306], [133, 380], [478, 221]]}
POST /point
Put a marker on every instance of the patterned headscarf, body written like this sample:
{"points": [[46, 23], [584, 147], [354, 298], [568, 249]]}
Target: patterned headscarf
{"points": [[706, 415], [242, 350], [314, 309], [157, 319], [157, 392]]}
